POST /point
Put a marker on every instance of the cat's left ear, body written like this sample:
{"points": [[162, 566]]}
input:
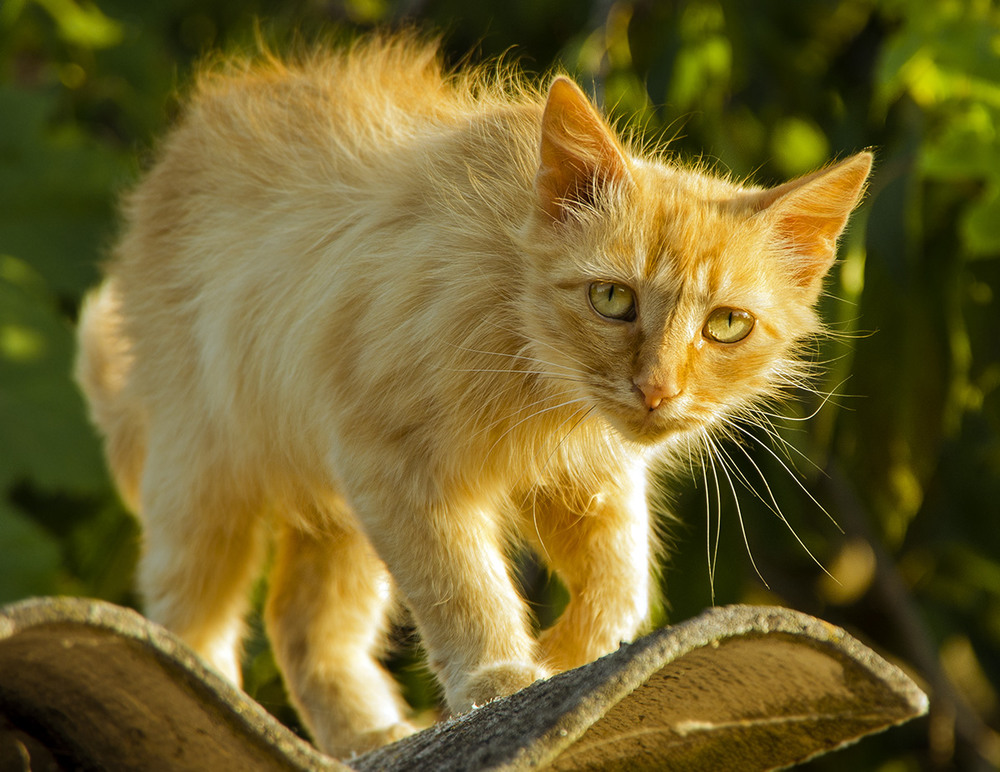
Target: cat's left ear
{"points": [[579, 156], [811, 212]]}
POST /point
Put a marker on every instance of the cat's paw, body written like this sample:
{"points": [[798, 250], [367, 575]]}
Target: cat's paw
{"points": [[492, 682]]}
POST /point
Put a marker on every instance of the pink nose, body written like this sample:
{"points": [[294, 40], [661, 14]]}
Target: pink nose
{"points": [[654, 393]]}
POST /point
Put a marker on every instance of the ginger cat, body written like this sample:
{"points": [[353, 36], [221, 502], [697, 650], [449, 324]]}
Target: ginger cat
{"points": [[405, 319]]}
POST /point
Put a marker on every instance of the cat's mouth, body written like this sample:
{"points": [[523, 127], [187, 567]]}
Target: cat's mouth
{"points": [[652, 427]]}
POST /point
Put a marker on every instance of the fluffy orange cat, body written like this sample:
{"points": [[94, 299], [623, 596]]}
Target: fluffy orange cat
{"points": [[404, 320]]}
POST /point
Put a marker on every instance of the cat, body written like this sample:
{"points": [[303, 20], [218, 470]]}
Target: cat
{"points": [[397, 320]]}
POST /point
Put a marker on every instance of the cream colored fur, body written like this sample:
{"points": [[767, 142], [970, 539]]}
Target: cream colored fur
{"points": [[351, 300]]}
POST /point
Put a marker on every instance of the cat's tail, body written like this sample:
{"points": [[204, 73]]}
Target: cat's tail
{"points": [[102, 370]]}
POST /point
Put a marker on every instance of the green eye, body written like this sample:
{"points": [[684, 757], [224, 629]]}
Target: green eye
{"points": [[728, 325], [613, 301]]}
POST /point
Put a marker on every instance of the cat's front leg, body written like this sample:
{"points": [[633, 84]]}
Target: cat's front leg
{"points": [[449, 565], [599, 545]]}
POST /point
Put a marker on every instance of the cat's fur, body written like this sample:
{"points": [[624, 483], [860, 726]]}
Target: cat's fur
{"points": [[352, 303]]}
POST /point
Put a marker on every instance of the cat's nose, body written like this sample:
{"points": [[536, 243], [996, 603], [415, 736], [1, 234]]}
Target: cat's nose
{"points": [[655, 392]]}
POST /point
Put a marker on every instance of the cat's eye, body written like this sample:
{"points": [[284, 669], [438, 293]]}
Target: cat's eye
{"points": [[728, 325], [613, 301]]}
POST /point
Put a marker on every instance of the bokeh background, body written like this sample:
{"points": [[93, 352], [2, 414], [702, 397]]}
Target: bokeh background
{"points": [[905, 457]]}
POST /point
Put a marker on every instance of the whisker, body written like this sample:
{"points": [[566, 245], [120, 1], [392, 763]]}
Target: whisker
{"points": [[520, 334], [534, 522], [718, 518], [548, 459], [763, 423], [565, 437], [806, 385], [708, 536], [711, 554], [776, 509], [528, 418], [826, 397], [713, 450], [786, 447], [555, 377], [501, 419], [508, 355], [790, 474], [743, 478], [840, 335]]}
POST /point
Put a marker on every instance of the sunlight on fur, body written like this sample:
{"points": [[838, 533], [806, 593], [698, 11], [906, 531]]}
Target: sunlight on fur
{"points": [[402, 319]]}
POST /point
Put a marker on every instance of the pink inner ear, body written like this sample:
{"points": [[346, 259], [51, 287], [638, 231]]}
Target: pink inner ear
{"points": [[578, 154], [813, 240], [810, 214]]}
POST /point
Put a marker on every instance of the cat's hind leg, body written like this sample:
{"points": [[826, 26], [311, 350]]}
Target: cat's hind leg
{"points": [[326, 617], [202, 549]]}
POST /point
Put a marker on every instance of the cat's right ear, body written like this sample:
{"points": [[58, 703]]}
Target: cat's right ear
{"points": [[811, 212], [579, 156]]}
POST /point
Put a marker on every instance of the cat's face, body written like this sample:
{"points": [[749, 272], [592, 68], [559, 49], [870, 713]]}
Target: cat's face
{"points": [[674, 310], [670, 298]]}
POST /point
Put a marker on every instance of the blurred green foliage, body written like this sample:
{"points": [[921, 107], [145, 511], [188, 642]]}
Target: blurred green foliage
{"points": [[906, 459]]}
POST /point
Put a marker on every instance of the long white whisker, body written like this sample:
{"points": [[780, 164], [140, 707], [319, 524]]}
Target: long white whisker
{"points": [[505, 370], [524, 357], [534, 514], [718, 517], [709, 553], [776, 509], [735, 468], [558, 350], [827, 396], [763, 423], [501, 419], [708, 510], [795, 477], [534, 521], [708, 535], [565, 437], [528, 418], [714, 449]]}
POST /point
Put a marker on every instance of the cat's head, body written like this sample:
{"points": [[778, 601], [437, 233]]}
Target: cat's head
{"points": [[670, 297]]}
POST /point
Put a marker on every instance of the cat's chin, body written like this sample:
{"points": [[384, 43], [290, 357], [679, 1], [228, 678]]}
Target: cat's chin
{"points": [[651, 429]]}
